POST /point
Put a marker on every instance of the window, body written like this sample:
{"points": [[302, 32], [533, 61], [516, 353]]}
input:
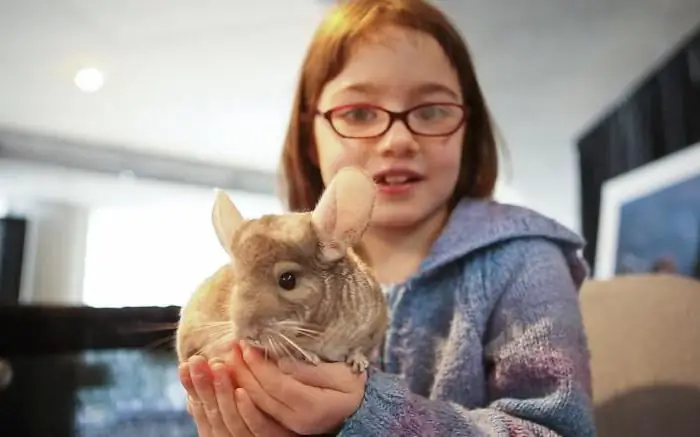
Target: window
{"points": [[156, 254]]}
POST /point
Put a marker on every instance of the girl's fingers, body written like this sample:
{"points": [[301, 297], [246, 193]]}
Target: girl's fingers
{"points": [[259, 424], [194, 405], [201, 376], [186, 380], [264, 382], [200, 418], [225, 399]]}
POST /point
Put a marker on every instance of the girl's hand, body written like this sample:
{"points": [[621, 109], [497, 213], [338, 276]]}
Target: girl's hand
{"points": [[219, 410], [304, 398]]}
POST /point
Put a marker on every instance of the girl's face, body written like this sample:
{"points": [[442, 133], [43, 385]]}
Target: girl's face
{"points": [[415, 174]]}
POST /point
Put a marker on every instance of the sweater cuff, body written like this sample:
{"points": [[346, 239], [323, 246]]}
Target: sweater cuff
{"points": [[379, 407]]}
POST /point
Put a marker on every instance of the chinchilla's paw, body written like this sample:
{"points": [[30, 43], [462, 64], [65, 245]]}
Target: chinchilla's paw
{"points": [[358, 361]]}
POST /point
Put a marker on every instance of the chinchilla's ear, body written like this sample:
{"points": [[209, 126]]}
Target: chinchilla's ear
{"points": [[226, 220], [343, 212]]}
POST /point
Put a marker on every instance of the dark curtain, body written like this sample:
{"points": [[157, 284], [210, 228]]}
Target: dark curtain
{"points": [[658, 118], [13, 231]]}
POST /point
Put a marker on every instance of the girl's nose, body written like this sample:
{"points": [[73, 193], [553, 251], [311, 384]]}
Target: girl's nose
{"points": [[397, 141]]}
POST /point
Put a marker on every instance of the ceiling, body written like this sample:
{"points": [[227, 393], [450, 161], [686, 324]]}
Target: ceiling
{"points": [[213, 79], [18, 192]]}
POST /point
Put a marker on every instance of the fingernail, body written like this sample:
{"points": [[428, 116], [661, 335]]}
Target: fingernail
{"points": [[195, 365], [197, 370], [218, 372], [239, 393]]}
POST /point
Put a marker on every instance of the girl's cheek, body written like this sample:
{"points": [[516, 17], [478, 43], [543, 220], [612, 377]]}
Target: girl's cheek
{"points": [[333, 157], [357, 152]]}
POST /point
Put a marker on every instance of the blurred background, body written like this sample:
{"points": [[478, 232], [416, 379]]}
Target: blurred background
{"points": [[118, 118]]}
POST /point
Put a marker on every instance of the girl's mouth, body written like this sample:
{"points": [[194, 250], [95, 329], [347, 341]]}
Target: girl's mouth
{"points": [[396, 181]]}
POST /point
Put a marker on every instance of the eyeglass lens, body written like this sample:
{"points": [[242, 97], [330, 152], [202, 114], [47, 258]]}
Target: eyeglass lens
{"points": [[368, 121]]}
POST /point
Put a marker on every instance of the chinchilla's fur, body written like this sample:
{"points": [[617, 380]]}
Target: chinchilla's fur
{"points": [[294, 286]]}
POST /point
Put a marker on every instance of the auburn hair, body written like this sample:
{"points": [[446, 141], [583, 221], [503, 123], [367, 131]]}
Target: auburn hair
{"points": [[352, 22]]}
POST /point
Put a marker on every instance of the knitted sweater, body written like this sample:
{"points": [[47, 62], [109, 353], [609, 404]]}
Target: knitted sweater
{"points": [[487, 338]]}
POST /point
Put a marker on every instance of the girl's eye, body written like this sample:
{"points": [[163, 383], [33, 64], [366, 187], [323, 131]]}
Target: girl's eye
{"points": [[358, 115], [287, 281], [432, 112]]}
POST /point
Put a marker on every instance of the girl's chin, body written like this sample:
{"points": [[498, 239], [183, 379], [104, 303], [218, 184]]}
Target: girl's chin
{"points": [[406, 215], [394, 217]]}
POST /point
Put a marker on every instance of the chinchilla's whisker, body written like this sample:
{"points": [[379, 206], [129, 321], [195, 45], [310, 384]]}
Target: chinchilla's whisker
{"points": [[296, 346], [267, 350], [270, 347], [218, 334], [212, 326], [221, 339], [304, 333], [150, 327], [288, 353], [298, 326], [285, 352], [160, 342], [216, 330], [264, 343], [294, 329], [200, 351]]}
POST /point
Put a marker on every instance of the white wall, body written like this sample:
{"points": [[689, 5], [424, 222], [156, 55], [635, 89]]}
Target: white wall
{"points": [[156, 254], [124, 255], [97, 240]]}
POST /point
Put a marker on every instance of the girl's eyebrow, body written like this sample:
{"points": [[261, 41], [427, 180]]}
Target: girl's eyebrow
{"points": [[423, 89], [435, 88]]}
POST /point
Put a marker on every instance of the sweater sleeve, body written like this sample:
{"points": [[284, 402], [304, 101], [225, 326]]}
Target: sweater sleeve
{"points": [[536, 359]]}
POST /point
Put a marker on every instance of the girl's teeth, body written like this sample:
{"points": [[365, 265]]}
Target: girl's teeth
{"points": [[395, 180]]}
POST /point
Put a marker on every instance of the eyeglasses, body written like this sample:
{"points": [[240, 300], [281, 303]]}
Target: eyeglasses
{"points": [[370, 121]]}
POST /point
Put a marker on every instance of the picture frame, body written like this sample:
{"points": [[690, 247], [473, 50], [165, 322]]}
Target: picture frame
{"points": [[650, 219]]}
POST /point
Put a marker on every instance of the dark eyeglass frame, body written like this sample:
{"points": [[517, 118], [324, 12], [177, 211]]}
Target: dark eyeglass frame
{"points": [[393, 117]]}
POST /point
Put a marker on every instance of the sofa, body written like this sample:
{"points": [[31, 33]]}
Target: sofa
{"points": [[644, 338]]}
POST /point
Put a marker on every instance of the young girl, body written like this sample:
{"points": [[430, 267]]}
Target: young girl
{"points": [[486, 337]]}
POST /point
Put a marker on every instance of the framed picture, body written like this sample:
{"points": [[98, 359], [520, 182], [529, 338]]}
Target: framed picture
{"points": [[650, 219]]}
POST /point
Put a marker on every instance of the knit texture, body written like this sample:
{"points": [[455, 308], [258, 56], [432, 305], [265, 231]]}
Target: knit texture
{"points": [[487, 338]]}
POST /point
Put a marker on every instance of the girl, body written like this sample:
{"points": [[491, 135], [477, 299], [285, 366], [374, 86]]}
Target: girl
{"points": [[486, 337]]}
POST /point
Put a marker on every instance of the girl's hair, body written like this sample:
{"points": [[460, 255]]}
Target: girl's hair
{"points": [[355, 21]]}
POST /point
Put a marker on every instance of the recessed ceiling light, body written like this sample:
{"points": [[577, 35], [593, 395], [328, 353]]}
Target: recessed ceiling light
{"points": [[89, 80]]}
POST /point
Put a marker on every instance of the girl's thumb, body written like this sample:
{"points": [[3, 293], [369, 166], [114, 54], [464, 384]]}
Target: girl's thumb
{"points": [[333, 376]]}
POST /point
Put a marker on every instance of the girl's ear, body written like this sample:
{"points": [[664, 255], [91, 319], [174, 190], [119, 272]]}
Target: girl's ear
{"points": [[226, 220]]}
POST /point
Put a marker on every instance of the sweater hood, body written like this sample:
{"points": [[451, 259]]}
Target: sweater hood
{"points": [[477, 224]]}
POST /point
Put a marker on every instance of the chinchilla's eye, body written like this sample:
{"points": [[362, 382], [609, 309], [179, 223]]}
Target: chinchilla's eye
{"points": [[287, 280]]}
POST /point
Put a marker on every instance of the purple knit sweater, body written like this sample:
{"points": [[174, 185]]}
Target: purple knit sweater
{"points": [[487, 338]]}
